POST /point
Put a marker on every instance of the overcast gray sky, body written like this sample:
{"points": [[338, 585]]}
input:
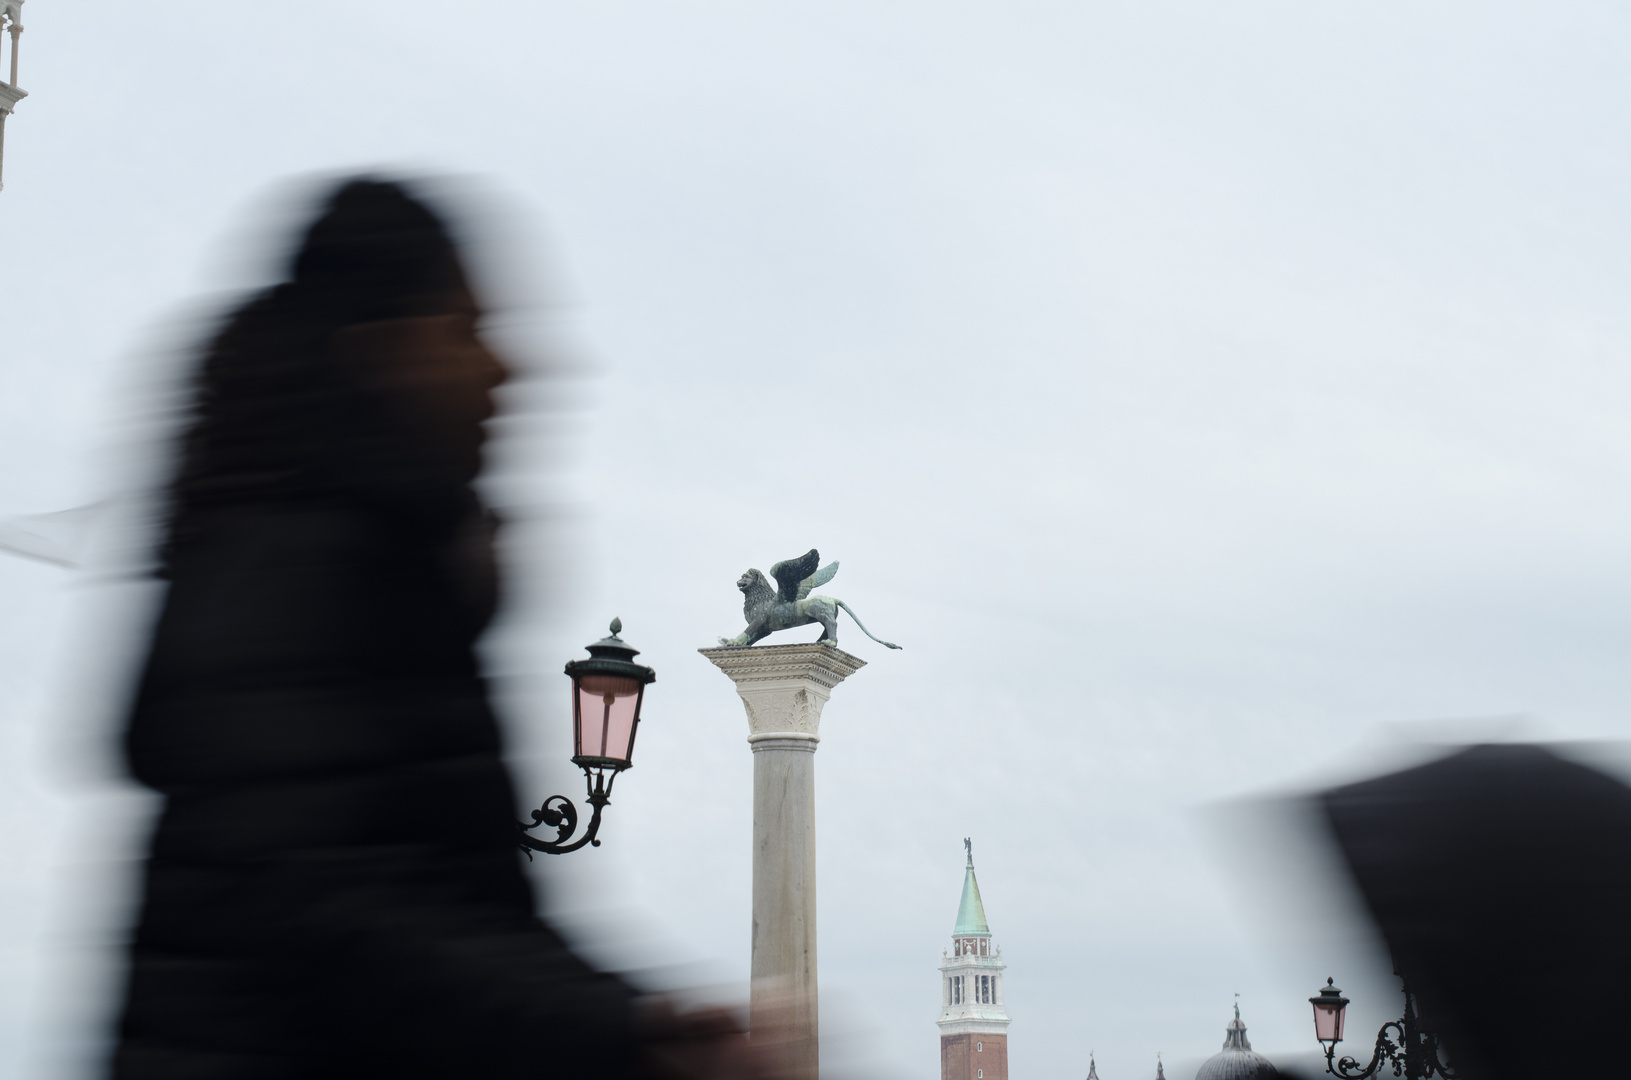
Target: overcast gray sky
{"points": [[1203, 394]]}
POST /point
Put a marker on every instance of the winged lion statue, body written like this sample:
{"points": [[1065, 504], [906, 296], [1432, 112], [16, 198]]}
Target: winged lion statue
{"points": [[790, 603]]}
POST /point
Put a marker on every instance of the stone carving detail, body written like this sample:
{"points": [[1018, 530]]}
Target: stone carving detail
{"points": [[784, 687], [790, 603], [773, 708]]}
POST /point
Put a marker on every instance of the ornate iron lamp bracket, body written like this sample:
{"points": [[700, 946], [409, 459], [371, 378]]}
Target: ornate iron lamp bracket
{"points": [[1387, 1050], [560, 814], [1413, 1053]]}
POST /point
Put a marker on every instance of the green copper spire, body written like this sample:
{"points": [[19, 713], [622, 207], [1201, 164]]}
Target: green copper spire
{"points": [[971, 912]]}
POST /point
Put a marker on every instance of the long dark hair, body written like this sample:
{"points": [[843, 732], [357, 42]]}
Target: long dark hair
{"points": [[272, 415]]}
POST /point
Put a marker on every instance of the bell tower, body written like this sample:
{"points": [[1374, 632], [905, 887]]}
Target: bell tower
{"points": [[973, 1023]]}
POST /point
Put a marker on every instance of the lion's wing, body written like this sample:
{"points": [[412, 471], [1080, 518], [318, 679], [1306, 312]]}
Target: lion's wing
{"points": [[817, 579], [790, 573]]}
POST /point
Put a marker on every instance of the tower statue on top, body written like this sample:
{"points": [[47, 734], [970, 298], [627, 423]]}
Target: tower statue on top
{"points": [[790, 603]]}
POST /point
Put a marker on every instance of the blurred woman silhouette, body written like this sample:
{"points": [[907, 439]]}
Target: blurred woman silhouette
{"points": [[334, 885]]}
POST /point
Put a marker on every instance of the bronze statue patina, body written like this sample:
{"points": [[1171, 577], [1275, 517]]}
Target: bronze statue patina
{"points": [[790, 603]]}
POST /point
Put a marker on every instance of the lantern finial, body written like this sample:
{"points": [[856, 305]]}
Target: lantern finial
{"points": [[617, 626]]}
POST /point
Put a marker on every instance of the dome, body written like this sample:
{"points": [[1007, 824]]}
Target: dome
{"points": [[1236, 1061]]}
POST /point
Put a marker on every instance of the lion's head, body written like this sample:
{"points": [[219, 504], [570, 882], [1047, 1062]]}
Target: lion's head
{"points": [[756, 589]]}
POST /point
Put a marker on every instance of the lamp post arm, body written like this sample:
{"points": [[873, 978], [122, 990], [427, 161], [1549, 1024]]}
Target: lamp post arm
{"points": [[1387, 1049], [560, 814]]}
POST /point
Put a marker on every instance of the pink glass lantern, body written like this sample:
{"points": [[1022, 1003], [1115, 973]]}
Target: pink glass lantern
{"points": [[1330, 1011], [607, 691]]}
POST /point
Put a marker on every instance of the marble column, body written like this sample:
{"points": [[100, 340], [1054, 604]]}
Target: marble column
{"points": [[9, 97], [11, 18], [783, 689]]}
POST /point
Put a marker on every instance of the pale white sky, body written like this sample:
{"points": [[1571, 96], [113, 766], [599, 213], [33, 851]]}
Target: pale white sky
{"points": [[1199, 393]]}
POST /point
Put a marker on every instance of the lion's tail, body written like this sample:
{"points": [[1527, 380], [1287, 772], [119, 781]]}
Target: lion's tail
{"points": [[862, 625]]}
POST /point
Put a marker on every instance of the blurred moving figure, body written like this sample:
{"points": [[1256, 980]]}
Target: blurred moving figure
{"points": [[334, 886], [1500, 877]]}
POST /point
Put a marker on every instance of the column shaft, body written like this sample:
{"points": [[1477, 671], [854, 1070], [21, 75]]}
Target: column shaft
{"points": [[783, 689], [784, 896]]}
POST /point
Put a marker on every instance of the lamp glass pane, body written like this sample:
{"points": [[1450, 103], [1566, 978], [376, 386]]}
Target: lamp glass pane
{"points": [[606, 709], [1328, 1022]]}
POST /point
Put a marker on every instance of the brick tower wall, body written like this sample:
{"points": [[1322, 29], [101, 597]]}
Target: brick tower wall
{"points": [[967, 1057]]}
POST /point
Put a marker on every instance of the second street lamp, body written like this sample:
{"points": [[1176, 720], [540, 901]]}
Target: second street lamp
{"points": [[1413, 1052], [1330, 1013], [607, 692]]}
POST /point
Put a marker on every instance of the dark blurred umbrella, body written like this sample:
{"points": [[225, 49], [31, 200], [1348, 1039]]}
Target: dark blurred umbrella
{"points": [[1500, 877]]}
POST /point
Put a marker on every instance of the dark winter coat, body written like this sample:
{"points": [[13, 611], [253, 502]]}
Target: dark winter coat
{"points": [[334, 885]]}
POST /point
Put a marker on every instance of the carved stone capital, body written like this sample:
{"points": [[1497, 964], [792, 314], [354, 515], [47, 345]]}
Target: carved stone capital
{"points": [[784, 687]]}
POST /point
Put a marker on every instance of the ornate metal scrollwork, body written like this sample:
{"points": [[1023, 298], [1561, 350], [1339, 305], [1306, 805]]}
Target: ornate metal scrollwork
{"points": [[1413, 1053], [1387, 1050], [559, 813]]}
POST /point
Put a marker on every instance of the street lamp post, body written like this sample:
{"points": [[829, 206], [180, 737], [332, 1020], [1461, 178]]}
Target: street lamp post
{"points": [[607, 692], [11, 19], [1413, 1052]]}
